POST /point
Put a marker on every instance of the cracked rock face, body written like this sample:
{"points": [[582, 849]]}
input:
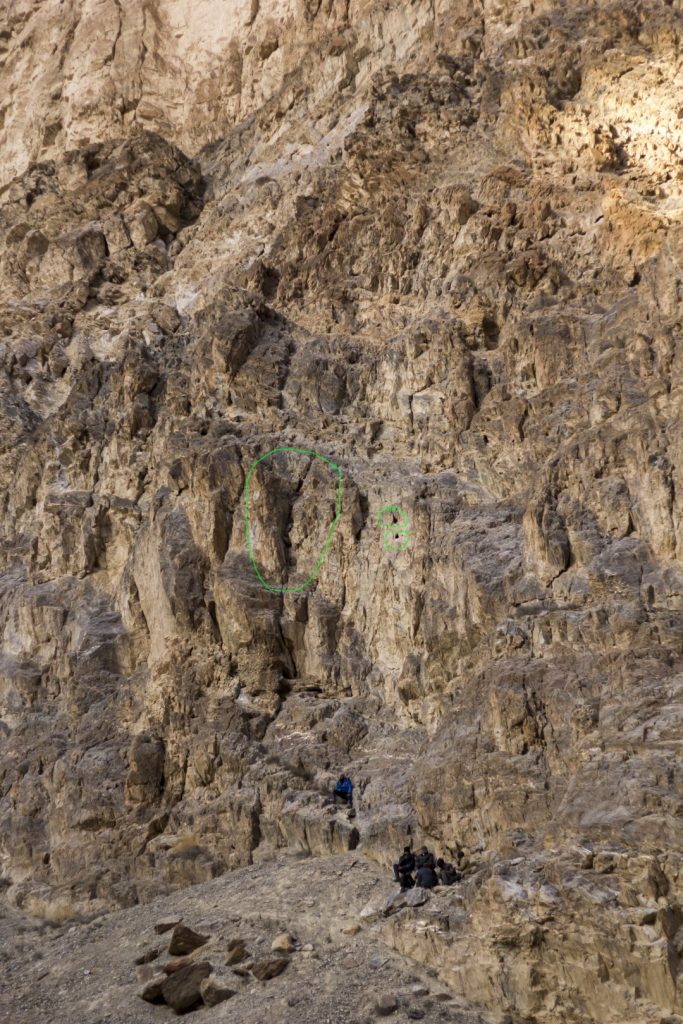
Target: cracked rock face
{"points": [[437, 245]]}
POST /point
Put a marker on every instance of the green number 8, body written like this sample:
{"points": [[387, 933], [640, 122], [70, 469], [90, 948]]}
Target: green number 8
{"points": [[396, 534]]}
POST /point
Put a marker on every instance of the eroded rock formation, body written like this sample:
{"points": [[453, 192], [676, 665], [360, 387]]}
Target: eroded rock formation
{"points": [[437, 244]]}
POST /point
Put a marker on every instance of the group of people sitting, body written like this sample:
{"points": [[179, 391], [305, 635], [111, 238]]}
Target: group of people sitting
{"points": [[428, 872], [421, 869]]}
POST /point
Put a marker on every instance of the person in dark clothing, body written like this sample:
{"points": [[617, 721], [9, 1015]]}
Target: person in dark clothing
{"points": [[403, 871], [447, 873], [425, 859], [344, 790], [426, 877]]}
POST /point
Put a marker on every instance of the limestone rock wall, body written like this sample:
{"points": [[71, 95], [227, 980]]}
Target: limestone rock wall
{"points": [[437, 244]]}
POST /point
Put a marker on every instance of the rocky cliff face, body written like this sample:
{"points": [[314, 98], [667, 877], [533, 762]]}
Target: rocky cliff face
{"points": [[437, 244]]}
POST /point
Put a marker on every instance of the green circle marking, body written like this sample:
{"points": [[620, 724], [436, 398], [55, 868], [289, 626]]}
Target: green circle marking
{"points": [[402, 545], [397, 529], [396, 511], [316, 570]]}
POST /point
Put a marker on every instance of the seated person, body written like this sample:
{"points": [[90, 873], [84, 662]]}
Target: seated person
{"points": [[426, 877], [447, 872], [344, 790], [407, 881], [405, 868], [425, 858]]}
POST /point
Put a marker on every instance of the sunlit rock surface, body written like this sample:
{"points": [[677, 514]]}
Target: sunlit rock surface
{"points": [[438, 244]]}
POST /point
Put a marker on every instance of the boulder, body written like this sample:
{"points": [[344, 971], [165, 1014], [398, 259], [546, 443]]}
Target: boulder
{"points": [[142, 224], [151, 991], [147, 955], [237, 952], [269, 967], [394, 903], [282, 943], [242, 970], [181, 990], [416, 897], [171, 966], [115, 234], [165, 924], [185, 940], [386, 1004], [215, 990]]}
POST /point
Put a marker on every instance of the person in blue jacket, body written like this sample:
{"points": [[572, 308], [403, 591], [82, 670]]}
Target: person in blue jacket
{"points": [[344, 790]]}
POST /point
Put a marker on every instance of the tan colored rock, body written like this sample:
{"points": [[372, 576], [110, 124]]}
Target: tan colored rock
{"points": [[141, 224], [282, 943], [116, 234], [177, 964]]}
